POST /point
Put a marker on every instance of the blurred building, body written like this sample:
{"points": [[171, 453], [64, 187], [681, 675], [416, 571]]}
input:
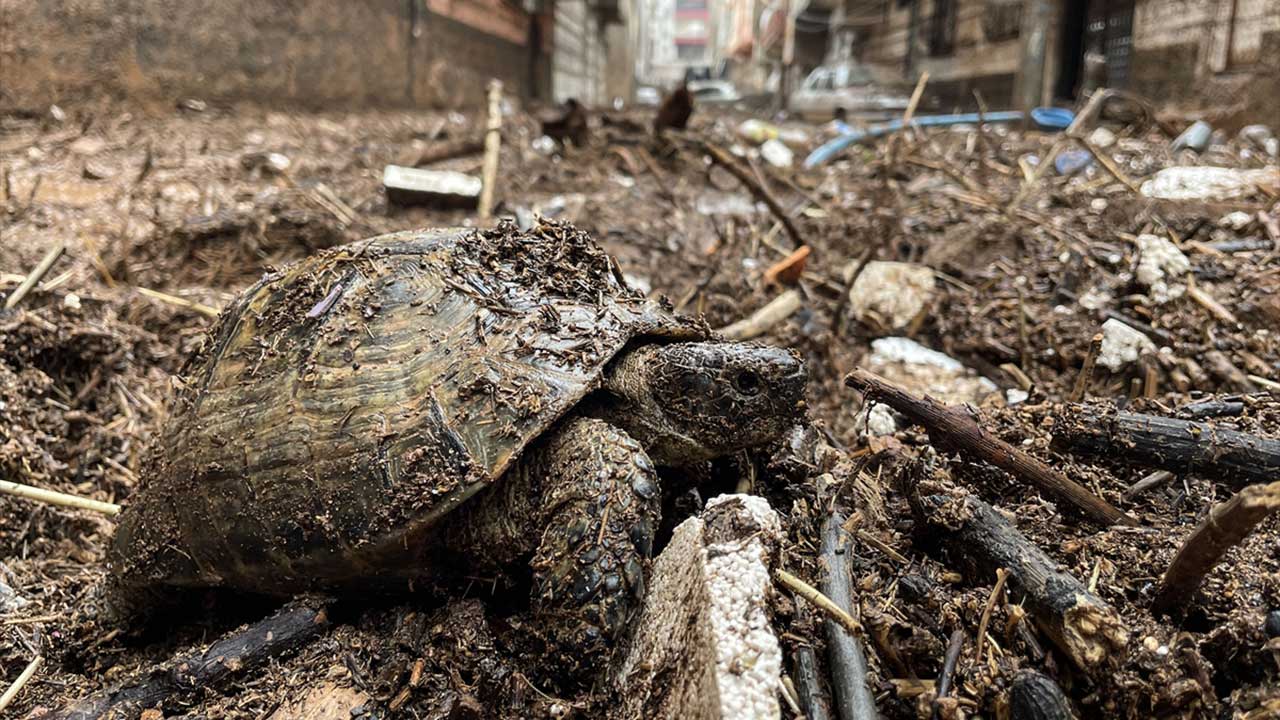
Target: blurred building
{"points": [[1163, 49], [593, 50]]}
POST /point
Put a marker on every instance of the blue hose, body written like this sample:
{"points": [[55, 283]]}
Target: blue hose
{"points": [[837, 145]]}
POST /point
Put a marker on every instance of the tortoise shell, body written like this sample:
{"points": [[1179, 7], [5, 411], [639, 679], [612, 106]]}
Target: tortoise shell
{"points": [[344, 405]]}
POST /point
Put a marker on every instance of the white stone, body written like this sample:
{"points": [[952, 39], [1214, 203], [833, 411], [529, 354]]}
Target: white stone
{"points": [[1102, 138], [925, 371], [1122, 345], [891, 293]]}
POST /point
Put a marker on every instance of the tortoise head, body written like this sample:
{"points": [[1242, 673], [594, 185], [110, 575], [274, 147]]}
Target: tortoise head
{"points": [[687, 402]]}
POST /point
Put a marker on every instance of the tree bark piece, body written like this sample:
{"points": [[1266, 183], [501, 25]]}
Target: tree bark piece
{"points": [[1034, 696], [978, 540], [1234, 458], [812, 698], [956, 428], [853, 697], [1227, 524], [284, 632]]}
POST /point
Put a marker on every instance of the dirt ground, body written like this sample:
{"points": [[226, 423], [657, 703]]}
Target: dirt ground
{"points": [[165, 217]]}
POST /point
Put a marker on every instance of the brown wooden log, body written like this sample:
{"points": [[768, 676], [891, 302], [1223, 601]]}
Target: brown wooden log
{"points": [[1227, 524], [977, 540], [1234, 458], [956, 428], [284, 632]]}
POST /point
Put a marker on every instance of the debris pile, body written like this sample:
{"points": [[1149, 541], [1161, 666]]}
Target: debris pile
{"points": [[1045, 399]]}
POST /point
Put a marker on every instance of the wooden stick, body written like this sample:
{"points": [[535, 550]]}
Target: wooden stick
{"points": [[822, 602], [948, 669], [759, 322], [1077, 124], [450, 150], [492, 144], [54, 497], [1207, 301], [180, 302], [956, 428], [1155, 479], [910, 112], [1228, 456], [1085, 378], [287, 630], [977, 540], [853, 697], [725, 160], [1107, 162], [812, 697], [23, 678], [1001, 576], [1227, 524], [35, 275]]}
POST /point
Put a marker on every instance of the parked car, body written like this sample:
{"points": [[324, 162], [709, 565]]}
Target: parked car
{"points": [[854, 89], [713, 91]]}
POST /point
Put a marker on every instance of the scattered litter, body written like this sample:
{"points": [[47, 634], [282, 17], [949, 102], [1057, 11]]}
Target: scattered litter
{"points": [[722, 203], [444, 188], [1196, 137], [1102, 138], [1208, 183], [271, 163], [1161, 267], [928, 372], [1070, 162]]}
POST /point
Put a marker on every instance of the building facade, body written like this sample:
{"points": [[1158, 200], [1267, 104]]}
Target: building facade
{"points": [[1169, 50]]}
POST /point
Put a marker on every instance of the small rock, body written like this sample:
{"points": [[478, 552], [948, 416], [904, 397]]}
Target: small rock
{"points": [[57, 113], [777, 154], [272, 163], [923, 371], [1237, 220], [87, 145], [1102, 138], [193, 105], [96, 171], [1122, 345], [71, 301], [891, 294], [1271, 626]]}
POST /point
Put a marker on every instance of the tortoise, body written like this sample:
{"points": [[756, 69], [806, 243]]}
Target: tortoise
{"points": [[382, 409]]}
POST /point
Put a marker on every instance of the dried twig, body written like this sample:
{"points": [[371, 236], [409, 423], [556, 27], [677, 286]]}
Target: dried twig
{"points": [[1227, 524], [1001, 576], [35, 275], [956, 428], [822, 602], [54, 497], [759, 322], [492, 144], [725, 160], [23, 679], [948, 669], [180, 302], [1085, 378]]}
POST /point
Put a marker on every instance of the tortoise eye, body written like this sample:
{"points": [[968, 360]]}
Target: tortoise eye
{"points": [[747, 382]]}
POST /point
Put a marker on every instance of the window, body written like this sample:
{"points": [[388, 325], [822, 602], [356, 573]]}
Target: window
{"points": [[690, 52], [942, 28]]}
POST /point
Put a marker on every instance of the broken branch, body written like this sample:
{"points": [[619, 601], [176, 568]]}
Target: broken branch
{"points": [[1227, 524], [853, 696], [979, 540], [956, 428], [492, 144], [1172, 444], [23, 678], [725, 160], [281, 633]]}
